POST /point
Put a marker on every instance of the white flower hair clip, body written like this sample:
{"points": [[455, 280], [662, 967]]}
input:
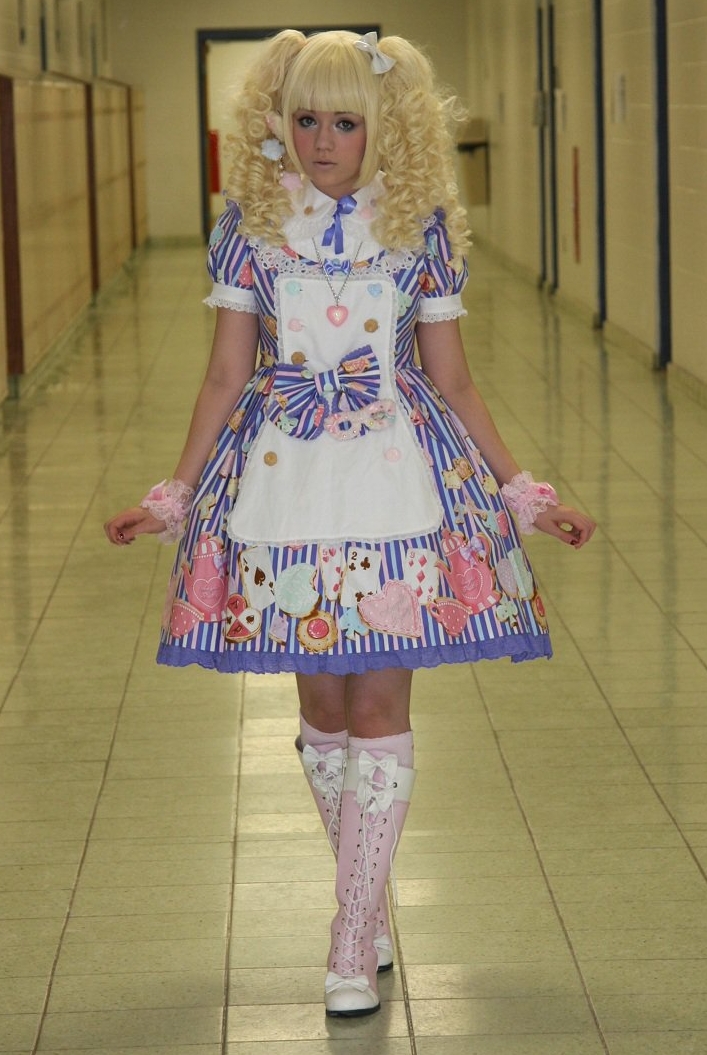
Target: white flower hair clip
{"points": [[272, 149], [380, 63]]}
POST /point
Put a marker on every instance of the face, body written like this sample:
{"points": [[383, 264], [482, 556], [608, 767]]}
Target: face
{"points": [[330, 147]]}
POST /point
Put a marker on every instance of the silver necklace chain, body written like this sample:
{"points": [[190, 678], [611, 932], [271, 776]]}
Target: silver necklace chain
{"points": [[335, 295]]}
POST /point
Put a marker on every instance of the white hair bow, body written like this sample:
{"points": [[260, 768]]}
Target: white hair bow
{"points": [[380, 63]]}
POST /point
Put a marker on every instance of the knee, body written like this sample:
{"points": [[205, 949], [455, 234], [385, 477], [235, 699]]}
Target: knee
{"points": [[322, 702], [374, 717]]}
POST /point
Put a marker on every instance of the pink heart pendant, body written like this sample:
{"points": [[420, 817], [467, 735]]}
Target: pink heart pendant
{"points": [[337, 315]]}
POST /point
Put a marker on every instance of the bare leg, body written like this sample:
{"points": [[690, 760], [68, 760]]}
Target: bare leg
{"points": [[322, 699], [369, 705], [378, 702]]}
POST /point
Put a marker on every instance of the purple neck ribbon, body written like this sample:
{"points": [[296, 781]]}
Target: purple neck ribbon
{"points": [[335, 232]]}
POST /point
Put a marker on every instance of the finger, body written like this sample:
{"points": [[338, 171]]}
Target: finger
{"points": [[583, 532]]}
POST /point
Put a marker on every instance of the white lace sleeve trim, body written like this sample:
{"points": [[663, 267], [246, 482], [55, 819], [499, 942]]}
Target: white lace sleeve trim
{"points": [[441, 309], [223, 296]]}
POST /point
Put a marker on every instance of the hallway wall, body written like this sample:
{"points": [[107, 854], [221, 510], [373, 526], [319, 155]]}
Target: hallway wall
{"points": [[75, 38], [502, 64], [501, 85], [631, 205], [687, 66]]}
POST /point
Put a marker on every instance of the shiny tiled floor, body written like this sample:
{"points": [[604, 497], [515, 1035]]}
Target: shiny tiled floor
{"points": [[164, 885]]}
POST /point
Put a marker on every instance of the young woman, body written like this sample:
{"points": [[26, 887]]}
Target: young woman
{"points": [[346, 503]]}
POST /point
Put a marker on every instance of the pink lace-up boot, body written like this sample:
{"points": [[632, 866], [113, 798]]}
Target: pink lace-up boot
{"points": [[374, 805], [324, 769]]}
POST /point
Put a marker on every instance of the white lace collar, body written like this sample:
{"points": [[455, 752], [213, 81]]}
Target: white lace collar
{"points": [[313, 212]]}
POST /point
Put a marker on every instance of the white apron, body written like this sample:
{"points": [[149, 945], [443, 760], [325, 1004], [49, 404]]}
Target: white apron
{"points": [[364, 477]]}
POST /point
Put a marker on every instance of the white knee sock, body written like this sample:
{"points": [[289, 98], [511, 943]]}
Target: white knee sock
{"points": [[316, 738]]}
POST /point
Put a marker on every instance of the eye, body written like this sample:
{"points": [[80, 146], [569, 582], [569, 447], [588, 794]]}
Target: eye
{"points": [[305, 121], [346, 124]]}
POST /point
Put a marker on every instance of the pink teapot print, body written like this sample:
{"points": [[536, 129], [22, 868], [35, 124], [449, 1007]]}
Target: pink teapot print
{"points": [[207, 581], [467, 573]]}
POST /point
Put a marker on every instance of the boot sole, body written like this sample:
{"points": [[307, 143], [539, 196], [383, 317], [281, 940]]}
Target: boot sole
{"points": [[354, 1013]]}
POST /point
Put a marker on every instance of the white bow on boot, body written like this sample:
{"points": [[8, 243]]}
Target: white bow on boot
{"points": [[374, 805]]}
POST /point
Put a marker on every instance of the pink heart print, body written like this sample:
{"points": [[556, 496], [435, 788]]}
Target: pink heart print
{"points": [[210, 593], [395, 610]]}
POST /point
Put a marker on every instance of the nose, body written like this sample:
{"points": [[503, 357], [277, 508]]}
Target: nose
{"points": [[324, 139]]}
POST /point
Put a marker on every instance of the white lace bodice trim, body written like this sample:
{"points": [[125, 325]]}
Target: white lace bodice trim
{"points": [[274, 258]]}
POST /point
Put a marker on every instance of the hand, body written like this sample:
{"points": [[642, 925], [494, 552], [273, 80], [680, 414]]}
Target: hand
{"points": [[566, 524], [126, 526]]}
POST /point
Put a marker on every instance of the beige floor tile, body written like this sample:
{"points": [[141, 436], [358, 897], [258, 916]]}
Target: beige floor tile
{"points": [[537, 1014], [514, 1044], [587, 863], [486, 947], [166, 926], [667, 1042], [492, 980], [157, 1049], [73, 1031], [621, 941], [384, 1046], [626, 1012], [309, 948], [643, 977], [136, 991], [105, 953], [139, 900], [17, 1032], [22, 995], [290, 1022]]}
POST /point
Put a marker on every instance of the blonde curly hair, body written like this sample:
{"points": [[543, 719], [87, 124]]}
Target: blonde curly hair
{"points": [[408, 118]]}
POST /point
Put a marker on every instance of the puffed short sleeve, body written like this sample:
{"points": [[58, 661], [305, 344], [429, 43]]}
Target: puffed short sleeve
{"points": [[229, 264], [441, 284]]}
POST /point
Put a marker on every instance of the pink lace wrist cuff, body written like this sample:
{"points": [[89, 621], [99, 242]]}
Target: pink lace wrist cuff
{"points": [[170, 501], [528, 499]]}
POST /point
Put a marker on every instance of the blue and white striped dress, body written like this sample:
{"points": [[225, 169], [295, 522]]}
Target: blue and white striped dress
{"points": [[346, 520]]}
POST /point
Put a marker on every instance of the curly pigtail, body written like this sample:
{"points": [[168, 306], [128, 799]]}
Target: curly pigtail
{"points": [[416, 148], [254, 180]]}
